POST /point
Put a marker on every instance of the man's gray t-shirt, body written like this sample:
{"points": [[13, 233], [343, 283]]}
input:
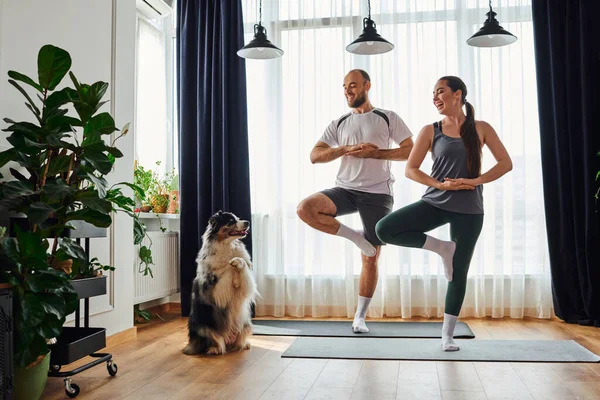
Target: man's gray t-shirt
{"points": [[366, 174]]}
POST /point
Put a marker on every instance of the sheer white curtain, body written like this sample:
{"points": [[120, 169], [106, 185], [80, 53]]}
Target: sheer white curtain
{"points": [[302, 272], [152, 141]]}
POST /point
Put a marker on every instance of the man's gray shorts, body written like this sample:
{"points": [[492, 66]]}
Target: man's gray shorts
{"points": [[370, 206]]}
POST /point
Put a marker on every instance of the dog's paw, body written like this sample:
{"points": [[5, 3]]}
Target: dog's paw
{"points": [[214, 351], [189, 350], [246, 346], [238, 262]]}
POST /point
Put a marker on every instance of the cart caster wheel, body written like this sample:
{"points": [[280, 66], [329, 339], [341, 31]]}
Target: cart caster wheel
{"points": [[112, 368], [74, 390], [55, 368]]}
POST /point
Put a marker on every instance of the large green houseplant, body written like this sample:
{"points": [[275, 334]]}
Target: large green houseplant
{"points": [[58, 166]]}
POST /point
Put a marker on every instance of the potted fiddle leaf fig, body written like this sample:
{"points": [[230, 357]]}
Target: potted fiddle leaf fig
{"points": [[57, 191]]}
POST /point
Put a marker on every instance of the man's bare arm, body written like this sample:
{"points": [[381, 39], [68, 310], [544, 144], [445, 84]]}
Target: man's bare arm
{"points": [[323, 153], [398, 154]]}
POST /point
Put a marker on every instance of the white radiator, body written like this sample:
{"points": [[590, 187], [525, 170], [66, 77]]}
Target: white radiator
{"points": [[165, 254]]}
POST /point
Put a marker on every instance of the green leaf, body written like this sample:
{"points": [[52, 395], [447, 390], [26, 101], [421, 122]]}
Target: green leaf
{"points": [[51, 327], [57, 190], [102, 123], [136, 188], [146, 254], [41, 281], [60, 97], [25, 79], [10, 249], [72, 249], [139, 231], [99, 183], [7, 156], [30, 130], [29, 352], [53, 65], [91, 198], [17, 175], [35, 110], [99, 161], [59, 164], [114, 152], [32, 309], [17, 188], [96, 92], [31, 245], [53, 304], [61, 123], [95, 218], [39, 212], [23, 145]]}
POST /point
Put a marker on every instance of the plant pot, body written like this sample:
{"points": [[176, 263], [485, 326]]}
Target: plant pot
{"points": [[65, 266], [173, 202], [145, 209], [159, 203], [30, 382], [89, 287]]}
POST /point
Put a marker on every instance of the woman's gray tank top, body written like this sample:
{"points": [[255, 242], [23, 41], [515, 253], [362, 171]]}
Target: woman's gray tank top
{"points": [[450, 161]]}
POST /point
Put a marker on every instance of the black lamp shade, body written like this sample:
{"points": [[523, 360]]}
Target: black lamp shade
{"points": [[260, 47], [369, 42], [491, 34]]}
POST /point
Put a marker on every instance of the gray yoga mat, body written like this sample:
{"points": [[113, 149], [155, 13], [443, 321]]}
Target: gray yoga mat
{"points": [[344, 329], [427, 349]]}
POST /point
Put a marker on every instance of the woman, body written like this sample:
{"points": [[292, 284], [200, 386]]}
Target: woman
{"points": [[454, 194]]}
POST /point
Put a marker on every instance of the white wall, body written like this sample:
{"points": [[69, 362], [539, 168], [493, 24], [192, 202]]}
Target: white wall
{"points": [[100, 36]]}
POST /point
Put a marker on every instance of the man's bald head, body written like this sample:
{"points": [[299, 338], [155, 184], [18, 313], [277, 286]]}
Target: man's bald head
{"points": [[356, 87]]}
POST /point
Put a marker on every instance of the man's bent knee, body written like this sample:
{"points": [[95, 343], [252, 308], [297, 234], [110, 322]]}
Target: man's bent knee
{"points": [[306, 210]]}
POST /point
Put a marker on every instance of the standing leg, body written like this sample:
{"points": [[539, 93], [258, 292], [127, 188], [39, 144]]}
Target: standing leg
{"points": [[464, 230], [372, 208], [366, 288]]}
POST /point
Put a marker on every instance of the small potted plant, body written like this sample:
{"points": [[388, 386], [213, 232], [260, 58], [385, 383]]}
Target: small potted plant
{"points": [[174, 195], [143, 179], [158, 190]]}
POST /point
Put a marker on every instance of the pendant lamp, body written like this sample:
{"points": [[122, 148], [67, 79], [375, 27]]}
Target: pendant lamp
{"points": [[260, 48], [491, 34], [369, 42]]}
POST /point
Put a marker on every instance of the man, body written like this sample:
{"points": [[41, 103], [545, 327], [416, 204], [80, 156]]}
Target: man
{"points": [[364, 181]]}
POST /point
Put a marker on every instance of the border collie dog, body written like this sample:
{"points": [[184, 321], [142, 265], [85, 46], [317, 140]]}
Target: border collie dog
{"points": [[223, 289]]}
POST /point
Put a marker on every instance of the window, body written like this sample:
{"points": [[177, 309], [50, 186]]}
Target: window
{"points": [[292, 99], [156, 133]]}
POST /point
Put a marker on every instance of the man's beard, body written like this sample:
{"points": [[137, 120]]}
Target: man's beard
{"points": [[359, 101]]}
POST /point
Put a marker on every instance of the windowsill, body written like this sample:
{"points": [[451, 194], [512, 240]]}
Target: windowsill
{"points": [[155, 216]]}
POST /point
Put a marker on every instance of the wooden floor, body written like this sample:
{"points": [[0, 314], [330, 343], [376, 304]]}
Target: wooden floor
{"points": [[153, 367]]}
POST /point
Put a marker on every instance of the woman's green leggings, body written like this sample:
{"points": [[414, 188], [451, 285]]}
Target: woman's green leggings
{"points": [[407, 226]]}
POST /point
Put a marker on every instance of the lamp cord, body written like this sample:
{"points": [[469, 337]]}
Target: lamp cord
{"points": [[260, 12], [490, 5], [369, 4]]}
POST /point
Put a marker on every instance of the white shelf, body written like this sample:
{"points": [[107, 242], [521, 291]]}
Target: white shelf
{"points": [[162, 216]]}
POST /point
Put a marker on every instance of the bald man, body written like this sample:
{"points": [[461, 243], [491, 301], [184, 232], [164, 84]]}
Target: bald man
{"points": [[364, 139]]}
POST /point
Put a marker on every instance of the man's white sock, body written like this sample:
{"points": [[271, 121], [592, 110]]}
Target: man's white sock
{"points": [[448, 343], [359, 325], [445, 249], [358, 239]]}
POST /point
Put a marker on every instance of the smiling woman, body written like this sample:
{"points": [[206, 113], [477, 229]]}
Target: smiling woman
{"points": [[293, 99]]}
